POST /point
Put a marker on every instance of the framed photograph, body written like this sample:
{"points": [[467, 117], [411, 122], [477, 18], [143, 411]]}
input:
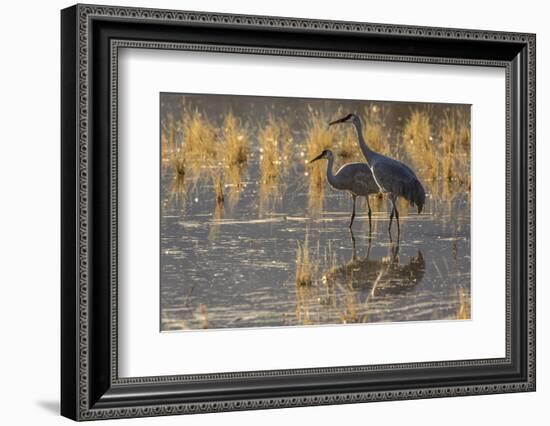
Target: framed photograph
{"points": [[263, 212]]}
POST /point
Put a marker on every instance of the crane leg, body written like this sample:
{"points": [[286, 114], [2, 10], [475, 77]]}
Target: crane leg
{"points": [[352, 212], [353, 249], [394, 212], [391, 219], [396, 218], [368, 247], [369, 213]]}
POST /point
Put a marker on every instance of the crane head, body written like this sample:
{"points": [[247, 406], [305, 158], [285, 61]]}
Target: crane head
{"points": [[327, 153], [346, 119]]}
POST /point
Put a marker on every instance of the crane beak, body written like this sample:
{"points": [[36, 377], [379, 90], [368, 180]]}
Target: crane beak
{"points": [[316, 158], [340, 120]]}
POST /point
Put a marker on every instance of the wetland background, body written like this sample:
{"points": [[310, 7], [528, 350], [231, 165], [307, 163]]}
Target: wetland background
{"points": [[253, 236]]}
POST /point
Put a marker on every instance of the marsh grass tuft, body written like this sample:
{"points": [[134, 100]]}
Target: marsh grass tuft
{"points": [[349, 309], [319, 136], [200, 140], [203, 314], [168, 141], [440, 152], [234, 154], [454, 135], [464, 306], [205, 152], [235, 141], [173, 156], [269, 138], [376, 132], [303, 305], [304, 267], [420, 145], [218, 188], [275, 139]]}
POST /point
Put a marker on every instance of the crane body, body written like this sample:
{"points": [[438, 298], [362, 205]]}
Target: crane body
{"points": [[354, 178]]}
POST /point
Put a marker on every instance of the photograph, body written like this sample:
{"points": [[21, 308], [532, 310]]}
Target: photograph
{"points": [[283, 211]]}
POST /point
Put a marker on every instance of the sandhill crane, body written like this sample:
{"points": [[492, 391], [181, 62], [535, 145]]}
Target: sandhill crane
{"points": [[355, 178], [394, 178]]}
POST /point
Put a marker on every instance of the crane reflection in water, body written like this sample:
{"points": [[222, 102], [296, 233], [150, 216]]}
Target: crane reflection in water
{"points": [[362, 288]]}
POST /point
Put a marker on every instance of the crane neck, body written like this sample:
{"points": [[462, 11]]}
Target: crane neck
{"points": [[330, 174], [367, 152]]}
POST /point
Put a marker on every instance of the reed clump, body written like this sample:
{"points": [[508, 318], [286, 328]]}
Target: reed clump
{"points": [[203, 314], [235, 141], [207, 152], [464, 306], [218, 188], [376, 132], [349, 310], [168, 142], [197, 152], [234, 154], [419, 143], [303, 301], [172, 154], [304, 267], [346, 148], [454, 135], [318, 137], [217, 217], [275, 145], [272, 144], [440, 153]]}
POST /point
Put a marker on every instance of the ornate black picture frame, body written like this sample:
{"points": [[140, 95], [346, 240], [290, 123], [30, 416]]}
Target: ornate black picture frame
{"points": [[91, 36]]}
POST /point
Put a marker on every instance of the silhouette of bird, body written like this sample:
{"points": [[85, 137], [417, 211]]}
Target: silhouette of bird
{"points": [[393, 178], [385, 276], [355, 178]]}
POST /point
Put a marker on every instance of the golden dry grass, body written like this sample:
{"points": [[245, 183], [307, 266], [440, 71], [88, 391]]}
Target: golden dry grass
{"points": [[345, 146], [173, 156], [464, 306], [319, 136], [303, 305], [440, 152], [233, 178], [168, 142], [269, 138], [207, 152], [217, 183], [234, 154], [217, 217], [197, 150], [275, 141], [304, 267], [375, 131], [349, 309], [235, 141], [199, 145], [203, 315], [454, 135], [420, 146]]}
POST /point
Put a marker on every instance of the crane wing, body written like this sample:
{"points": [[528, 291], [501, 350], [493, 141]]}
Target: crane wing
{"points": [[357, 178], [395, 177]]}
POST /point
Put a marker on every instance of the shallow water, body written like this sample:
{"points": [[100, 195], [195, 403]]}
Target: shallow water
{"points": [[234, 264]]}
